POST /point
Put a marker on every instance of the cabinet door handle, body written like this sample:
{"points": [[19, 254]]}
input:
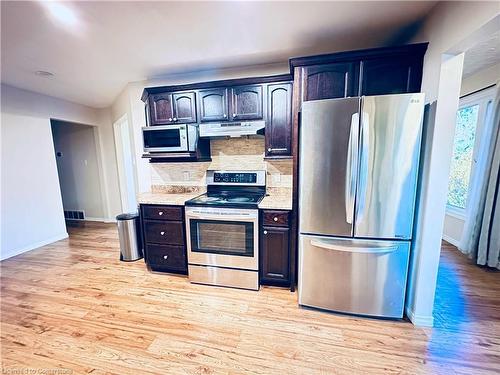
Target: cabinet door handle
{"points": [[160, 213], [276, 149], [275, 218], [234, 114], [170, 119], [162, 233], [175, 118], [165, 257], [265, 232], [224, 115]]}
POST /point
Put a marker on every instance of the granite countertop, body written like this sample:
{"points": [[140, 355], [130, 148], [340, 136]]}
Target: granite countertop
{"points": [[177, 199], [277, 200]]}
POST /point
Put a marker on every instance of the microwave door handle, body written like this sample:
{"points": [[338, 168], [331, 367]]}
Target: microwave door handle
{"points": [[351, 168], [355, 249]]}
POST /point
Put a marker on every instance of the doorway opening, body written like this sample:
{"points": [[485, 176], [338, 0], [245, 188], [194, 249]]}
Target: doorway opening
{"points": [[471, 181], [75, 147]]}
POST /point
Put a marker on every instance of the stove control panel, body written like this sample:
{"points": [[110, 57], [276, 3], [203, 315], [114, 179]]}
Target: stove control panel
{"points": [[235, 178]]}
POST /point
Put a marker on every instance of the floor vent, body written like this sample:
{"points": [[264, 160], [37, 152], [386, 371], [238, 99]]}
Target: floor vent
{"points": [[74, 215]]}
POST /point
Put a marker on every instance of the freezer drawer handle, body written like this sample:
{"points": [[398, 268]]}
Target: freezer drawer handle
{"points": [[350, 249]]}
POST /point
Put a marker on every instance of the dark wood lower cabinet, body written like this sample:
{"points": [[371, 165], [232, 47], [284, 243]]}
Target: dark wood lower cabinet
{"points": [[275, 262], [166, 258], [164, 239]]}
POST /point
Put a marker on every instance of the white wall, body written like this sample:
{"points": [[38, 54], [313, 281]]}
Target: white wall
{"points": [[454, 225], [31, 205], [129, 103], [480, 79], [78, 169], [450, 24]]}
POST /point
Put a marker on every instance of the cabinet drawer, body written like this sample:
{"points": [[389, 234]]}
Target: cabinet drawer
{"points": [[162, 212], [166, 257], [277, 218], [168, 232]]}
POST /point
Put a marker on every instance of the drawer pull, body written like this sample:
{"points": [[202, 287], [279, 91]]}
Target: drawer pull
{"points": [[265, 232], [175, 118], [170, 119], [160, 213], [275, 218], [162, 233], [165, 257]]}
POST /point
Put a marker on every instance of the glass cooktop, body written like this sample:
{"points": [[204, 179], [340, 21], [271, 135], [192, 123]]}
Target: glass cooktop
{"points": [[227, 199]]}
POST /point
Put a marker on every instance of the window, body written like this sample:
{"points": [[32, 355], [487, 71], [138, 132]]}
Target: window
{"points": [[470, 134]]}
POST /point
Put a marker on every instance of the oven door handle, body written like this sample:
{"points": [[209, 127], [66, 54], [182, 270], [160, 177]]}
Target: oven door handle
{"points": [[221, 217]]}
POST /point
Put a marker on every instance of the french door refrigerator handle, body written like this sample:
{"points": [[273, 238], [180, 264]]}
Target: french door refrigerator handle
{"points": [[351, 168], [363, 165], [356, 249]]}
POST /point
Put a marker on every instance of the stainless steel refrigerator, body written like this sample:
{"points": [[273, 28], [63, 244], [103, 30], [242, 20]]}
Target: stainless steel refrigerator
{"points": [[358, 167]]}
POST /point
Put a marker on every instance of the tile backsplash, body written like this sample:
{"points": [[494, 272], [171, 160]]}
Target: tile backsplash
{"points": [[228, 154]]}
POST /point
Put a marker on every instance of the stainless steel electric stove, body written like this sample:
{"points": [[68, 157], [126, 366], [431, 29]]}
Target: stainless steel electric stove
{"points": [[222, 230]]}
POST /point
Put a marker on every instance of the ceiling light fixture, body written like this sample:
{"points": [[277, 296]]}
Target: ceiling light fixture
{"points": [[44, 73], [61, 13]]}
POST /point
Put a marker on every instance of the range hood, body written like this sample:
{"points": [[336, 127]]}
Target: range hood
{"points": [[232, 129]]}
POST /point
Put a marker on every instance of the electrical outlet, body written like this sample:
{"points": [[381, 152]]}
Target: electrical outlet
{"points": [[186, 175], [277, 177]]}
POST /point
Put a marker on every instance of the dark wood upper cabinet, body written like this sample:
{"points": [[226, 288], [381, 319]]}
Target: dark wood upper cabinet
{"points": [[279, 120], [396, 75], [275, 256], [184, 107], [246, 102], [161, 109], [213, 105], [329, 81], [172, 108]]}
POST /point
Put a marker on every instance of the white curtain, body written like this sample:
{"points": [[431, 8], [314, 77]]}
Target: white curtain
{"points": [[481, 235]]}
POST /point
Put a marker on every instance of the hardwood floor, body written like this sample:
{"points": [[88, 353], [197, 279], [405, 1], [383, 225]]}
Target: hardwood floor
{"points": [[73, 305]]}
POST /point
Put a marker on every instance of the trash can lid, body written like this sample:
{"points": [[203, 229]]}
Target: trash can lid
{"points": [[127, 216]]}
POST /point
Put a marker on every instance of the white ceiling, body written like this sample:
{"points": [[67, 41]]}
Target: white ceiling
{"points": [[482, 55], [109, 44]]}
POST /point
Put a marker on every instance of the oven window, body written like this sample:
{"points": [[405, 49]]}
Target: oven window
{"points": [[162, 138], [222, 237]]}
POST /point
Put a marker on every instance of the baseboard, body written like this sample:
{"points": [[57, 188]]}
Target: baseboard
{"points": [[419, 321], [99, 219], [33, 246], [451, 240]]}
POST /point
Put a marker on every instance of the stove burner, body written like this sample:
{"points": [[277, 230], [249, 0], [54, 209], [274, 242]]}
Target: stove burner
{"points": [[239, 199], [210, 199]]}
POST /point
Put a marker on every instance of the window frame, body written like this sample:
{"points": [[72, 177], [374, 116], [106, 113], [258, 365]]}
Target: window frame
{"points": [[481, 98]]}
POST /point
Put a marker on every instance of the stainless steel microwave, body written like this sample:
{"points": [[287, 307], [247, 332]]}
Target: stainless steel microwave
{"points": [[170, 138]]}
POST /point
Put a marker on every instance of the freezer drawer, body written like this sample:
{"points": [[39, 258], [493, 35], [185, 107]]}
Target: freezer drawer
{"points": [[363, 277]]}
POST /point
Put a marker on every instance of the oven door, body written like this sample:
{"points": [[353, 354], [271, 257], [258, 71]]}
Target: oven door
{"points": [[222, 237], [168, 138]]}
